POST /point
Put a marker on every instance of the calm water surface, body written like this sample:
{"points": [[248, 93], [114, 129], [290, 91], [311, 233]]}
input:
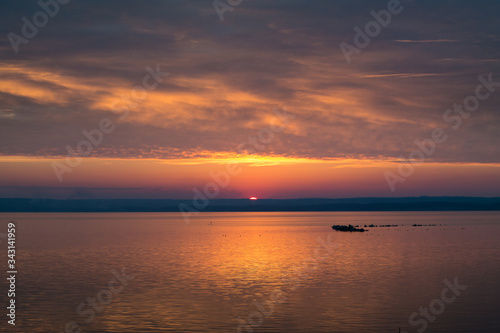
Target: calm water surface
{"points": [[266, 272]]}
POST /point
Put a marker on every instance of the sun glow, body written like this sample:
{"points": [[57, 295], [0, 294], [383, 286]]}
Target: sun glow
{"points": [[253, 198]]}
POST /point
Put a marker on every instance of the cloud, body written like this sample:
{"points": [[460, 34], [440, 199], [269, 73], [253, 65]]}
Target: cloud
{"points": [[227, 77]]}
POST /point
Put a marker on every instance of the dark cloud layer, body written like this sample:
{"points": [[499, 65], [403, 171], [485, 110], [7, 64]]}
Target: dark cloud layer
{"points": [[226, 77]]}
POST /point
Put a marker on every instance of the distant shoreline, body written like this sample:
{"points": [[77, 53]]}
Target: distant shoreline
{"points": [[20, 205]]}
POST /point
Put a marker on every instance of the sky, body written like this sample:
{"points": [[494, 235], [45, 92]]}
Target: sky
{"points": [[277, 99]]}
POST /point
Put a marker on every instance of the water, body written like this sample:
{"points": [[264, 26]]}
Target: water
{"points": [[202, 277]]}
